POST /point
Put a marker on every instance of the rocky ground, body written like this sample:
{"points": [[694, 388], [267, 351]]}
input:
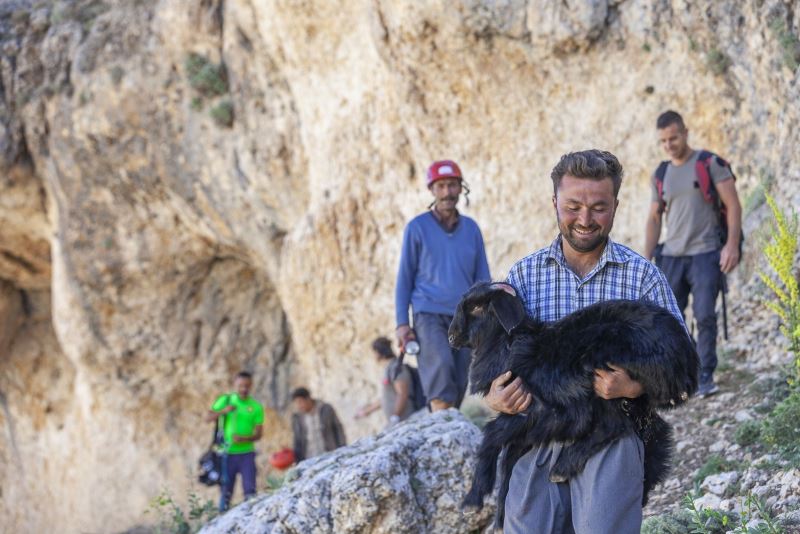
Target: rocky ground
{"points": [[709, 464]]}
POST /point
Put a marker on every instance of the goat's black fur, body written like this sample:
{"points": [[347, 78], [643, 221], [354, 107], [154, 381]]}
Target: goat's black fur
{"points": [[557, 362]]}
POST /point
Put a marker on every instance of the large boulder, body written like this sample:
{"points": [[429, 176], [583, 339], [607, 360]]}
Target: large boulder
{"points": [[410, 478]]}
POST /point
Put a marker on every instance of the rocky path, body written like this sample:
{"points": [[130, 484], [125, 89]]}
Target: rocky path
{"points": [[751, 375]]}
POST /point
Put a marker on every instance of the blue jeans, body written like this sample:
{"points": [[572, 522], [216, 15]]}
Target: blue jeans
{"points": [[245, 465], [698, 275]]}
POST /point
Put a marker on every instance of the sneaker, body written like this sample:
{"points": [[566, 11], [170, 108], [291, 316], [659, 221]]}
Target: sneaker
{"points": [[707, 389]]}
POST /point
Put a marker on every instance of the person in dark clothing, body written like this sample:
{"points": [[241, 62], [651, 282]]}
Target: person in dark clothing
{"points": [[315, 426]]}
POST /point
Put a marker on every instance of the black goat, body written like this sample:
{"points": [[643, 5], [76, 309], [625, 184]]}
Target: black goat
{"points": [[557, 361]]}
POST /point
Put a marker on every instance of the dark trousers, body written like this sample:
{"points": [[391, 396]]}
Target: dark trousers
{"points": [[245, 465], [700, 276], [443, 370]]}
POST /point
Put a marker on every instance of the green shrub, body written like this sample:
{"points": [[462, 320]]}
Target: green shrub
{"points": [[205, 77], [788, 42], [781, 429], [222, 114], [172, 519], [677, 522], [748, 433], [780, 253]]}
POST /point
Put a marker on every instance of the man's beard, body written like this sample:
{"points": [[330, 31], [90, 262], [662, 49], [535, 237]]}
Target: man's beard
{"points": [[580, 244]]}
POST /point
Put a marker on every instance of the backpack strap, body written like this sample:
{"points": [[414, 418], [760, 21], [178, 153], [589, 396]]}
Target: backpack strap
{"points": [[702, 171], [660, 174]]}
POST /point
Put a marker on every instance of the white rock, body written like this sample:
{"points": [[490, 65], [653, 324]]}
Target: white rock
{"points": [[717, 484], [743, 415], [718, 446], [709, 500], [410, 478]]}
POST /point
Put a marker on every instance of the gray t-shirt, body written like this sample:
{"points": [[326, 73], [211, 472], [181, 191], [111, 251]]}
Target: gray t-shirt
{"points": [[388, 394], [692, 224]]}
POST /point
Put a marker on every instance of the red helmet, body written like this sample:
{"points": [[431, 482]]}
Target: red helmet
{"points": [[443, 169]]}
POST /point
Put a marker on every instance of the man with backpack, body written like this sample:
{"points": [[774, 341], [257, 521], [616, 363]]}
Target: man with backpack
{"points": [[442, 256], [243, 420], [695, 189], [401, 391]]}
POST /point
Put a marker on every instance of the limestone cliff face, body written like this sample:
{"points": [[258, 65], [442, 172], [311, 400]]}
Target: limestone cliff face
{"points": [[188, 188]]}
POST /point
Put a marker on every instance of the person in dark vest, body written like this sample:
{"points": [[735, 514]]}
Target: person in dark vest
{"points": [[243, 423], [315, 426], [443, 255], [694, 257]]}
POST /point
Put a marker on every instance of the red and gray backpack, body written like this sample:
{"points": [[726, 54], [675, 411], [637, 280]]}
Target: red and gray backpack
{"points": [[702, 170]]}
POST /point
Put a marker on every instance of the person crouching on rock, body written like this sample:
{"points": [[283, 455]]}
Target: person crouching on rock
{"points": [[243, 418]]}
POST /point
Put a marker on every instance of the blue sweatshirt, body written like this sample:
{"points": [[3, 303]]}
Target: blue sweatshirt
{"points": [[436, 267]]}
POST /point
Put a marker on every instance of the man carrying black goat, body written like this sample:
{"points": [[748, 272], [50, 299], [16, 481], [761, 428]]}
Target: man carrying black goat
{"points": [[582, 266]]}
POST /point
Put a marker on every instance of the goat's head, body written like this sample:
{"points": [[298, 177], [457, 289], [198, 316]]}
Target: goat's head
{"points": [[480, 307]]}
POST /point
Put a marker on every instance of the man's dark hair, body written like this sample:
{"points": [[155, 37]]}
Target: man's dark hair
{"points": [[383, 346], [245, 374], [301, 393], [668, 118], [592, 164]]}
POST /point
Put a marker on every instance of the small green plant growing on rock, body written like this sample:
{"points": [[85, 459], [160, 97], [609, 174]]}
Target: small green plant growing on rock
{"points": [[748, 433], [781, 429], [717, 61], [789, 43], [222, 114], [172, 519], [780, 253], [715, 464], [205, 77]]}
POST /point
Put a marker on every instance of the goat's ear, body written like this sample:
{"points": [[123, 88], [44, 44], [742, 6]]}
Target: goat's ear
{"points": [[508, 310]]}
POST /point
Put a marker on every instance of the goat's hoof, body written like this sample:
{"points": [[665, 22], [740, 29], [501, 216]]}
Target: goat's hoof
{"points": [[557, 479]]}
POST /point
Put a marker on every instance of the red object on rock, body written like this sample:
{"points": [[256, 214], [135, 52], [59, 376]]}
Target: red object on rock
{"points": [[282, 459]]}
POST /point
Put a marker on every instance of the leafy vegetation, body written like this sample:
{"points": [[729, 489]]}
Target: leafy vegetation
{"points": [[173, 519], [789, 43], [222, 114], [748, 433], [715, 464], [780, 253], [205, 77]]}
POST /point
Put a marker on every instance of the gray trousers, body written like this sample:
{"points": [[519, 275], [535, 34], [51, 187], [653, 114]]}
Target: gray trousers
{"points": [[443, 370], [605, 498]]}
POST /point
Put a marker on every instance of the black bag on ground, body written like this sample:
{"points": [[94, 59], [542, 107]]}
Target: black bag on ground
{"points": [[210, 463]]}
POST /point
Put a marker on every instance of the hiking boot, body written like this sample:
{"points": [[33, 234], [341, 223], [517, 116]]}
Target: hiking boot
{"points": [[707, 389]]}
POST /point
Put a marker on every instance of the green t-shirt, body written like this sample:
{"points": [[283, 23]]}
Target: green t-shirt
{"points": [[242, 421]]}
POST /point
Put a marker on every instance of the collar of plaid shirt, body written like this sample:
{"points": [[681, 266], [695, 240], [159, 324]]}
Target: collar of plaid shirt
{"points": [[610, 254]]}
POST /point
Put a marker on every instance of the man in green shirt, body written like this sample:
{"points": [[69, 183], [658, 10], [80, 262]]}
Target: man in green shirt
{"points": [[243, 419]]}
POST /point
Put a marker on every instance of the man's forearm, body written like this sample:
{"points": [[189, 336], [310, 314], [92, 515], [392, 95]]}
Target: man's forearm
{"points": [[734, 220]]}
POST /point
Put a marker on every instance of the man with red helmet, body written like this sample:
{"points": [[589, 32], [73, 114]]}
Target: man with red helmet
{"points": [[442, 256]]}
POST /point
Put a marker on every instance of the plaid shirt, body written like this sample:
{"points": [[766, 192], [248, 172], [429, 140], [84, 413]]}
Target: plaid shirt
{"points": [[550, 290]]}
